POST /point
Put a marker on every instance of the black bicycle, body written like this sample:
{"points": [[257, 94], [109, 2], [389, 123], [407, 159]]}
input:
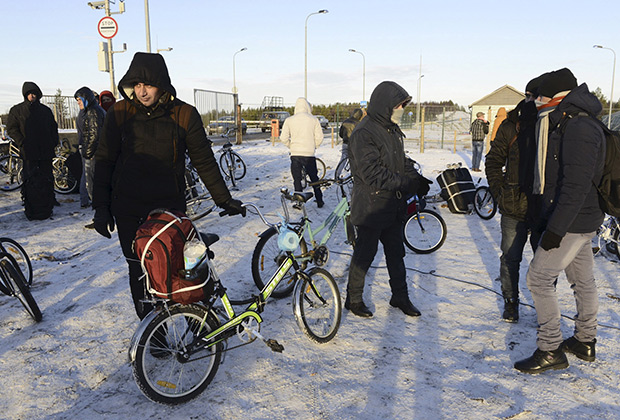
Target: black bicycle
{"points": [[231, 164], [14, 283]]}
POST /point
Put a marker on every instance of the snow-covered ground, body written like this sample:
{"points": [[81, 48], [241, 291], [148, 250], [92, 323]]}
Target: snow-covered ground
{"points": [[454, 362]]}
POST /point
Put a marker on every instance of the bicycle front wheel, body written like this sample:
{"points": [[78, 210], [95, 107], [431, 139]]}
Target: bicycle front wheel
{"points": [[321, 169], [10, 172], [484, 203], [425, 232], [268, 257], [64, 182], [317, 305], [18, 253], [233, 166], [163, 368], [15, 280]]}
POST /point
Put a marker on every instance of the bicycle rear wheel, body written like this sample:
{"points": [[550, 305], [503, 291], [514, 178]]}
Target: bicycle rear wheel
{"points": [[14, 279], [11, 172], [11, 247], [317, 305], [425, 232], [268, 257], [164, 371], [484, 203], [64, 182]]}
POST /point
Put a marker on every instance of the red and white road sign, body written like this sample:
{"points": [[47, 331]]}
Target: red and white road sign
{"points": [[107, 27]]}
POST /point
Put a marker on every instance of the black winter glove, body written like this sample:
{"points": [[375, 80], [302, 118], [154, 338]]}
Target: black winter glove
{"points": [[408, 184], [424, 186], [104, 222], [550, 240], [233, 207]]}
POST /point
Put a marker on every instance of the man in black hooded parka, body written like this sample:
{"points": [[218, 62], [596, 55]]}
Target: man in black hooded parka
{"points": [[140, 160], [382, 180]]}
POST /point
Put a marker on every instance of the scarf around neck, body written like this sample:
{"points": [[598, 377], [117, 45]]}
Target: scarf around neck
{"points": [[542, 139]]}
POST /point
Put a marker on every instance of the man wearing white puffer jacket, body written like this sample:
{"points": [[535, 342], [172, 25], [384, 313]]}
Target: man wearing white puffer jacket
{"points": [[302, 134]]}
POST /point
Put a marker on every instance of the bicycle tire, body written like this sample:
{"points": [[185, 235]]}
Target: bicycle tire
{"points": [[425, 232], [227, 167], [161, 372], [15, 280], [64, 182], [11, 175], [234, 161], [320, 173], [18, 253], [267, 258], [317, 305], [343, 170], [484, 203]]}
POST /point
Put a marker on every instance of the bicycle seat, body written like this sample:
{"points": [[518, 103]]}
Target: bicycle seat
{"points": [[209, 238], [227, 145], [302, 196]]}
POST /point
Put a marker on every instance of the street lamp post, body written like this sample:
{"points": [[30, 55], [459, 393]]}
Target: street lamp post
{"points": [[363, 72], [613, 76], [417, 116], [306, 51], [159, 50], [234, 89]]}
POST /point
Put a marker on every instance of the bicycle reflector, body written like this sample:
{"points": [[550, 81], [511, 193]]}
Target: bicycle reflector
{"points": [[288, 240]]}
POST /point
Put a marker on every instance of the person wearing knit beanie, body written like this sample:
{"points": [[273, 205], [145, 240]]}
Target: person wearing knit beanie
{"points": [[557, 81]]}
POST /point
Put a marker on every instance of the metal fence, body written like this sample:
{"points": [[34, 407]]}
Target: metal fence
{"points": [[212, 105], [64, 108]]}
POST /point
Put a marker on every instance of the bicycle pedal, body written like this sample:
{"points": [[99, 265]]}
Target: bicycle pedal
{"points": [[274, 345]]}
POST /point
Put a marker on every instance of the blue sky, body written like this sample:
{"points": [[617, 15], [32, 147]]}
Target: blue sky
{"points": [[468, 49]]}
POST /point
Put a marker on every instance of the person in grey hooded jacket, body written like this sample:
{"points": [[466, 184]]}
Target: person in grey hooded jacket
{"points": [[382, 180]]}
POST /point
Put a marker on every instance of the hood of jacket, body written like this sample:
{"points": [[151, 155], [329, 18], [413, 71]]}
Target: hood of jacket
{"points": [[386, 96], [87, 95], [149, 69], [302, 105], [357, 114], [28, 87], [579, 99]]}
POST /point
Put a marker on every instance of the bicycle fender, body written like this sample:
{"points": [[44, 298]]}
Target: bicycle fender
{"points": [[133, 345]]}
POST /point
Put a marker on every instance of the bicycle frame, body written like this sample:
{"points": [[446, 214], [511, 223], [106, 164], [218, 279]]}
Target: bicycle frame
{"points": [[337, 215]]}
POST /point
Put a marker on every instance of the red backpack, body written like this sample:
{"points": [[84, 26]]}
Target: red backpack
{"points": [[159, 245]]}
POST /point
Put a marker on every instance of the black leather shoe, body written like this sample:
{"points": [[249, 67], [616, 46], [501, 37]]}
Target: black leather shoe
{"points": [[511, 310], [320, 204], [584, 351], [541, 361], [406, 306], [360, 309]]}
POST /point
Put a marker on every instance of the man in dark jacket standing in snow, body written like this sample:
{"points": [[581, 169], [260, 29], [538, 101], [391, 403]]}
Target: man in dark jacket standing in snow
{"points": [[382, 181], [569, 165], [140, 160], [35, 131], [514, 149], [89, 124]]}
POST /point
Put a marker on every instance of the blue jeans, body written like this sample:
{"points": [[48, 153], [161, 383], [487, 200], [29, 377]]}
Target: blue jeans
{"points": [[84, 199], [514, 237], [476, 153], [574, 257]]}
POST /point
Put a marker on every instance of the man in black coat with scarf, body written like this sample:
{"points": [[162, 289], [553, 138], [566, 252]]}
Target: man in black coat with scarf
{"points": [[140, 160], [381, 182]]}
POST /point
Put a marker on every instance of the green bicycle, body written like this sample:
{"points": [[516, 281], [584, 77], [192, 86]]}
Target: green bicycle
{"points": [[268, 256], [177, 349]]}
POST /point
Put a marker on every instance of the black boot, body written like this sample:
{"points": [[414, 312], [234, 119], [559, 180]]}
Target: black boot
{"points": [[511, 310], [584, 351], [406, 306], [541, 361], [359, 308]]}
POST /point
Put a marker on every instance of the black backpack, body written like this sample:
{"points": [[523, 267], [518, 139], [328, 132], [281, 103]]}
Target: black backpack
{"points": [[609, 187]]}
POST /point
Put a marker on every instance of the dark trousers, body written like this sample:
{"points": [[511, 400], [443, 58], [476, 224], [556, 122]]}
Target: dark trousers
{"points": [[514, 238], [364, 253], [127, 227], [309, 164], [38, 168]]}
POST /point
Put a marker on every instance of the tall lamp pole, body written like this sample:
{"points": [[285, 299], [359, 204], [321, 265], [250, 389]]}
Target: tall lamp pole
{"points": [[234, 89], [306, 51], [148, 26], [363, 72], [417, 116], [613, 76]]}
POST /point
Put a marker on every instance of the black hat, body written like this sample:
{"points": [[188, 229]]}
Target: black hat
{"points": [[533, 85], [557, 81]]}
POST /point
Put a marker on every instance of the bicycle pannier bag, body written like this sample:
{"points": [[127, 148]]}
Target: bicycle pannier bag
{"points": [[457, 188], [159, 245]]}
